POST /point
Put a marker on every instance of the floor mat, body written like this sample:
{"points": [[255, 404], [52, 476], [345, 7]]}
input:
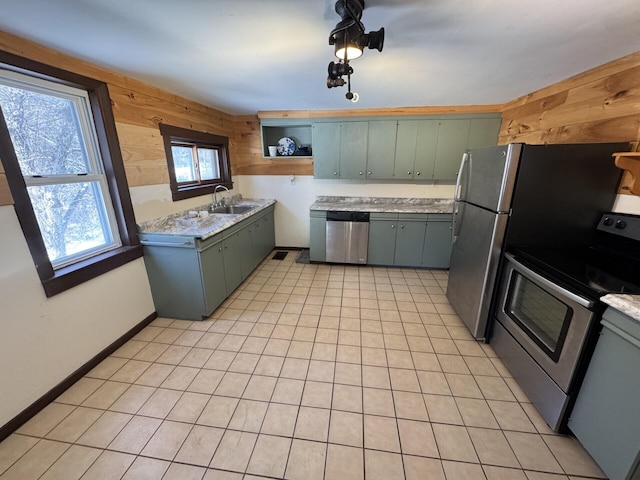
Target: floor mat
{"points": [[303, 256], [279, 256]]}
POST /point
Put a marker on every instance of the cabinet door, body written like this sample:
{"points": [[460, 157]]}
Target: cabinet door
{"points": [[265, 236], [426, 146], [232, 263], [409, 243], [452, 143], [174, 276], [406, 141], [353, 149], [382, 242], [483, 132], [248, 246], [381, 149], [326, 150], [213, 277], [437, 243], [318, 237]]}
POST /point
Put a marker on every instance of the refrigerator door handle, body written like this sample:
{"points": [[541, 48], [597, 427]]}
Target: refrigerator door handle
{"points": [[456, 195]]}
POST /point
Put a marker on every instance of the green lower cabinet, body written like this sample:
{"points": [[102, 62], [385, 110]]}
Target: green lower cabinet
{"points": [[247, 242], [177, 282], [191, 277], [232, 263], [382, 239], [318, 236], [409, 241], [264, 237], [437, 242], [214, 284]]}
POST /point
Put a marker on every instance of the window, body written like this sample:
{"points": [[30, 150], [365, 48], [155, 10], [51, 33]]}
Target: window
{"points": [[197, 161], [57, 142]]}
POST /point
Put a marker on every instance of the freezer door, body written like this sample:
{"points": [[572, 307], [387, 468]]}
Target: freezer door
{"points": [[488, 176], [474, 264]]}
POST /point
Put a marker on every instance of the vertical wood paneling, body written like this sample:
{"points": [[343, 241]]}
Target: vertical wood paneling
{"points": [[600, 105]]}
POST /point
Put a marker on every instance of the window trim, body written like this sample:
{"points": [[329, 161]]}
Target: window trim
{"points": [[172, 134], [57, 281]]}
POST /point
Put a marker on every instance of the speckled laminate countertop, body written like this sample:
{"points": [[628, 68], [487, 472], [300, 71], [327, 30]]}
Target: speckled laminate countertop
{"points": [[387, 205], [178, 224], [627, 304]]}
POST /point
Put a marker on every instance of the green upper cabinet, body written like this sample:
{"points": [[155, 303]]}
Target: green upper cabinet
{"points": [[326, 150], [428, 147], [382, 149], [452, 143], [353, 149], [483, 132], [416, 149]]}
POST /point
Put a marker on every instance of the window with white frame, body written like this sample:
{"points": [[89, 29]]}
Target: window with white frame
{"points": [[61, 156], [55, 142]]}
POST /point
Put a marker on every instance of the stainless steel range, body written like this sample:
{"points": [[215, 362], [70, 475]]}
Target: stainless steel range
{"points": [[547, 309]]}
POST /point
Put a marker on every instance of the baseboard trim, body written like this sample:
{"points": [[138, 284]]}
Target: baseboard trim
{"points": [[56, 391]]}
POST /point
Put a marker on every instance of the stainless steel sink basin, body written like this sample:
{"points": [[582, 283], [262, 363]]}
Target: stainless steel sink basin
{"points": [[233, 209]]}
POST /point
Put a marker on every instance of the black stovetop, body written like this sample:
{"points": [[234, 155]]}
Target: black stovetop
{"points": [[610, 265]]}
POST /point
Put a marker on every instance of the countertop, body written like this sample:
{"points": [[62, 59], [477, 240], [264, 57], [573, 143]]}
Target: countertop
{"points": [[206, 227], [386, 205], [627, 304]]}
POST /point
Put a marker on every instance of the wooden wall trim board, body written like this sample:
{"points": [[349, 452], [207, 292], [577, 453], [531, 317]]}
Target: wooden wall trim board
{"points": [[379, 112]]}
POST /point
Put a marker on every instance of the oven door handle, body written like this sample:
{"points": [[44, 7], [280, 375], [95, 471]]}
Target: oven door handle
{"points": [[527, 272]]}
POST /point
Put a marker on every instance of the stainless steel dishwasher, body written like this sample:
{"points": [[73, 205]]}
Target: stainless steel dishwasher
{"points": [[347, 237]]}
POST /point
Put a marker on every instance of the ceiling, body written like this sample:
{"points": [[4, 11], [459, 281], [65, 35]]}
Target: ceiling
{"points": [[244, 56]]}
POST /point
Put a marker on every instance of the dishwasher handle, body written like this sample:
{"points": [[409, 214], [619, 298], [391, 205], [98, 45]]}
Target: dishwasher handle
{"points": [[342, 216]]}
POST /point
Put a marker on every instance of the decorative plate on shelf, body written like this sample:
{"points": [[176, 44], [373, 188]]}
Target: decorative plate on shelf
{"points": [[286, 146]]}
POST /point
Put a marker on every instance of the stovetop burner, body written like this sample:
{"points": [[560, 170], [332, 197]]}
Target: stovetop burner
{"points": [[611, 265]]}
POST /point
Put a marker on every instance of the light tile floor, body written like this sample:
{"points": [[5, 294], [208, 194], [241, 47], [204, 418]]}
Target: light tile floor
{"points": [[306, 372]]}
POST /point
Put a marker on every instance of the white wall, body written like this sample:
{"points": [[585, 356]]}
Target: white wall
{"points": [[627, 204], [295, 197], [43, 340]]}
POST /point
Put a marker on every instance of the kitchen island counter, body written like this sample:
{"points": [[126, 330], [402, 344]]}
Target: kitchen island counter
{"points": [[384, 205]]}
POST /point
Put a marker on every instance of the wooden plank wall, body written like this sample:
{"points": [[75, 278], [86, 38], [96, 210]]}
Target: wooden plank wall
{"points": [[138, 108], [600, 105]]}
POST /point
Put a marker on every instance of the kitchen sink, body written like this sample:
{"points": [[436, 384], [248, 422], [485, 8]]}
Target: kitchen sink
{"points": [[233, 209]]}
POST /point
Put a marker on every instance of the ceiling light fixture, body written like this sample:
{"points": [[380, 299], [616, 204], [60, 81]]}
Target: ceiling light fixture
{"points": [[350, 40]]}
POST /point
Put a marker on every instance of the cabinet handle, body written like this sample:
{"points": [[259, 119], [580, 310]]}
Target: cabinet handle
{"points": [[408, 173], [219, 249], [393, 226], [368, 173], [226, 246], [401, 226], [335, 173], [361, 173], [417, 173]]}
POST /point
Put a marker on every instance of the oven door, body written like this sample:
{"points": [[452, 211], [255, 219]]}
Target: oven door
{"points": [[548, 321]]}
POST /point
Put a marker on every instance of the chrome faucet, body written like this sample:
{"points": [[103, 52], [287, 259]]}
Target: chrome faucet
{"points": [[215, 196]]}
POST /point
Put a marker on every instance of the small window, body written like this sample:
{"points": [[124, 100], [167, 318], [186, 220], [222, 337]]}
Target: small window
{"points": [[197, 161]]}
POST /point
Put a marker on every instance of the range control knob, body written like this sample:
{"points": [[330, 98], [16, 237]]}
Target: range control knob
{"points": [[607, 222], [620, 224]]}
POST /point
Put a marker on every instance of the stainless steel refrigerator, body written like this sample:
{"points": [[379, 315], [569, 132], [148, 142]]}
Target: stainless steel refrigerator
{"points": [[522, 194], [481, 209]]}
